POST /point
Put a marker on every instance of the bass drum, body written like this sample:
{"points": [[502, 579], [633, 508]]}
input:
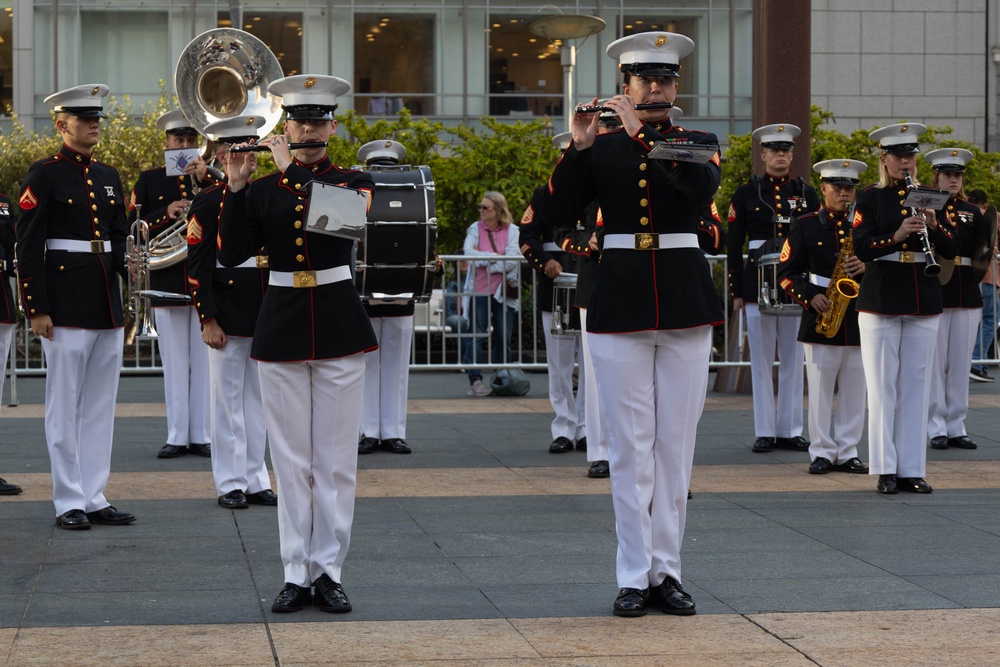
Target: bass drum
{"points": [[396, 257]]}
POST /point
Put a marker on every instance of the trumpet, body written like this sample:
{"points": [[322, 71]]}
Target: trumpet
{"points": [[932, 268], [257, 148], [137, 255], [638, 107]]}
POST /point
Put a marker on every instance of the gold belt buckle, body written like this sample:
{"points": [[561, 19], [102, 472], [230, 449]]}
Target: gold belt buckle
{"points": [[96, 246], [262, 262], [906, 256], [303, 279], [958, 261], [647, 241]]}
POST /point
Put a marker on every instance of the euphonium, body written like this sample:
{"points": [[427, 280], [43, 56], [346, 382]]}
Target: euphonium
{"points": [[840, 291]]}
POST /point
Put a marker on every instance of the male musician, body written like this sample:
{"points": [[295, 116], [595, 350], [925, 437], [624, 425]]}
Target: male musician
{"points": [[652, 309], [387, 369], [760, 215], [228, 300], [809, 258], [561, 351], [164, 201], [988, 288], [963, 306], [8, 309], [309, 341], [899, 306], [70, 243]]}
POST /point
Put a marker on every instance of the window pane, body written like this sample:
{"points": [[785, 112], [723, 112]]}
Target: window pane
{"points": [[524, 70], [6, 58], [281, 31], [111, 41], [394, 55]]}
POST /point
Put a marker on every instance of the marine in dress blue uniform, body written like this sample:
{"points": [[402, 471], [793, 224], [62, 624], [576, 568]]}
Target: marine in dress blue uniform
{"points": [[808, 259], [899, 307], [70, 244], [162, 200], [549, 260], [760, 216], [8, 308], [387, 369], [963, 306], [227, 301], [309, 341], [651, 312]]}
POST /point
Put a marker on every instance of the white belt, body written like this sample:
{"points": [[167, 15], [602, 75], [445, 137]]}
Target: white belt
{"points": [[819, 280], [78, 246], [963, 261], [650, 241], [905, 257], [549, 246], [753, 245], [309, 278], [251, 263]]}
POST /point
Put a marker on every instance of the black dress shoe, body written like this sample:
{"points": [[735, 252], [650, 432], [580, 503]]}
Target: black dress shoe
{"points": [[763, 444], [913, 485], [367, 445], [670, 598], [852, 465], [234, 500], [330, 596], [395, 446], [599, 470], [200, 449], [962, 442], [887, 484], [73, 520], [796, 444], [291, 598], [109, 516], [939, 442], [266, 497], [8, 489], [581, 444], [820, 466], [631, 602], [170, 452], [561, 445]]}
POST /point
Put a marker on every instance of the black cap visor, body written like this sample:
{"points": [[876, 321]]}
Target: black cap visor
{"points": [[310, 112], [954, 168], [841, 180], [236, 140], [183, 132], [652, 69], [82, 112], [902, 149], [779, 145]]}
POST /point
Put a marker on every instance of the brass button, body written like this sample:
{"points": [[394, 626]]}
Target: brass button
{"points": [[642, 135], [93, 207], [904, 246], [97, 232], [298, 224], [902, 192], [642, 166], [299, 241], [643, 220], [298, 186], [32, 311], [25, 285], [61, 268], [161, 198], [778, 204], [112, 202], [299, 207], [89, 182], [284, 181], [300, 258], [92, 195], [230, 282], [643, 202], [903, 212], [29, 297], [642, 182], [70, 201]]}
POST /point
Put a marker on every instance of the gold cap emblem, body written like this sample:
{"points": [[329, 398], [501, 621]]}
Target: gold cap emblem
{"points": [[781, 128], [847, 163], [249, 122], [954, 152], [660, 40], [310, 82], [388, 144], [904, 129], [95, 90]]}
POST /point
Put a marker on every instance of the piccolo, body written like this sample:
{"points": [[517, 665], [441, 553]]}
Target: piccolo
{"points": [[257, 148], [638, 107]]}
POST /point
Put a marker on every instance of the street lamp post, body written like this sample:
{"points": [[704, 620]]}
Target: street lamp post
{"points": [[564, 27]]}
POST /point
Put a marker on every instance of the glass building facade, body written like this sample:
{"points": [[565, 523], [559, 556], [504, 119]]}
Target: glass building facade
{"points": [[449, 60]]}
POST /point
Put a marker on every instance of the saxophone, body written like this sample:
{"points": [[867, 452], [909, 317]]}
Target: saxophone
{"points": [[840, 291]]}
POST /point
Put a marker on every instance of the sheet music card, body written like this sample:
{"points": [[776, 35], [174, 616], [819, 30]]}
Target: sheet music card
{"points": [[336, 210]]}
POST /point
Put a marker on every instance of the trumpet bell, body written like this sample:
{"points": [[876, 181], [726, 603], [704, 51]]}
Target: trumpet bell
{"points": [[224, 73]]}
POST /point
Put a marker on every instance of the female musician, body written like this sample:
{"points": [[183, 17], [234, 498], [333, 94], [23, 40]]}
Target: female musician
{"points": [[493, 283], [963, 306], [899, 306]]}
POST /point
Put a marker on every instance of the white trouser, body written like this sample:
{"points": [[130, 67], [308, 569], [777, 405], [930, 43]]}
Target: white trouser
{"points": [[827, 367], [949, 403], [185, 375], [313, 411], [898, 353], [561, 353], [764, 333], [239, 434], [81, 387], [652, 391], [6, 334], [387, 373], [597, 445]]}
